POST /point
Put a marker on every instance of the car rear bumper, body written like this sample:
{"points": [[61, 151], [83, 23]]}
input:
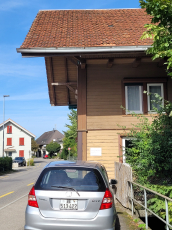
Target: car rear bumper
{"points": [[105, 220]]}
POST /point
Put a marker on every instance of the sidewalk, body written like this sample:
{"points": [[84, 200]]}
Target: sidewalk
{"points": [[124, 220]]}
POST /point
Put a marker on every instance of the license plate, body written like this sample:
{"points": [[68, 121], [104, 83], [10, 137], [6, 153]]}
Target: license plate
{"points": [[68, 205]]}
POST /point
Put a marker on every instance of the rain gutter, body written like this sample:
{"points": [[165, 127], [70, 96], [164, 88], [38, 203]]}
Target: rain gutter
{"points": [[78, 50]]}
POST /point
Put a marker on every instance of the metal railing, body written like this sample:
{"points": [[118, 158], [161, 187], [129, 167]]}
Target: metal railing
{"points": [[145, 195]]}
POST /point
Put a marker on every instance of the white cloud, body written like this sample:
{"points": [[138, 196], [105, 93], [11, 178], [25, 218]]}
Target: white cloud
{"points": [[29, 97], [12, 4], [22, 70]]}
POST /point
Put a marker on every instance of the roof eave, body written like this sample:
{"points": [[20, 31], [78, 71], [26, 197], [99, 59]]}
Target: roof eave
{"points": [[80, 50]]}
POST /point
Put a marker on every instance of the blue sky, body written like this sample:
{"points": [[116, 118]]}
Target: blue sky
{"points": [[24, 79]]}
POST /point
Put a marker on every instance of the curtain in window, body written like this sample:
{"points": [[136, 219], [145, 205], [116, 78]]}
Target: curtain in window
{"points": [[133, 95], [154, 89]]}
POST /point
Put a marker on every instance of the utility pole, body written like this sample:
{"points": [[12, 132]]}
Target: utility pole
{"points": [[3, 123]]}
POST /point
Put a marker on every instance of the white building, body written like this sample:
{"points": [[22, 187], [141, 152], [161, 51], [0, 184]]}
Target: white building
{"points": [[17, 140]]}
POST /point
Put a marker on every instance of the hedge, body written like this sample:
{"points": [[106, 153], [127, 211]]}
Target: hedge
{"points": [[5, 163]]}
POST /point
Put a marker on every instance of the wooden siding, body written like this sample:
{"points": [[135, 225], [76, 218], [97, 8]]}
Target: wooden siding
{"points": [[104, 99], [104, 93], [108, 141]]}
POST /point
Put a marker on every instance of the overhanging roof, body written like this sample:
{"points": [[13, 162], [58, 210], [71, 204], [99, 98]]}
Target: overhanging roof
{"points": [[70, 31], [64, 37], [9, 150]]}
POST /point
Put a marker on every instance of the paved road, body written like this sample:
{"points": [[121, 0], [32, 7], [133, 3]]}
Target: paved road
{"points": [[14, 189]]}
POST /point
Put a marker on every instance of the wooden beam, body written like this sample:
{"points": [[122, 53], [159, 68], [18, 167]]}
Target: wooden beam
{"points": [[73, 60], [137, 62], [64, 83], [110, 62], [147, 80], [82, 61], [52, 88], [83, 65], [72, 89], [82, 112], [145, 101], [66, 76]]}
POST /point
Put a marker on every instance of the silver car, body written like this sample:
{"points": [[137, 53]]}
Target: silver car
{"points": [[71, 196]]}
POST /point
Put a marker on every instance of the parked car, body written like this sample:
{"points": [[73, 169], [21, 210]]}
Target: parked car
{"points": [[45, 156], [20, 160], [71, 195]]}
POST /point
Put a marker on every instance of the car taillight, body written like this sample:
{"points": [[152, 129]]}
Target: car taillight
{"points": [[32, 198], [107, 200]]}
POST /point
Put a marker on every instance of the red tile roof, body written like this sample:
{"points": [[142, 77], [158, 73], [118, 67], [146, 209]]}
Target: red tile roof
{"points": [[87, 28]]}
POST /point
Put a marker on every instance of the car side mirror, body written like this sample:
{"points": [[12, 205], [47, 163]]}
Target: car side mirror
{"points": [[113, 181]]}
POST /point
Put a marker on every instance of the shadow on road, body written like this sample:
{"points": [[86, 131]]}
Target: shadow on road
{"points": [[40, 161], [117, 224]]}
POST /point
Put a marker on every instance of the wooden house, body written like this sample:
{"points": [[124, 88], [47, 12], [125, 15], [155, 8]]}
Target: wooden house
{"points": [[96, 62]]}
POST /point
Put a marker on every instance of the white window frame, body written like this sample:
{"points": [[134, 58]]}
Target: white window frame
{"points": [[141, 100], [123, 147], [148, 97]]}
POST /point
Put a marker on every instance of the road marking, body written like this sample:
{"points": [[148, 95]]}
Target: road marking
{"points": [[13, 201], [3, 177], [6, 194], [30, 184]]}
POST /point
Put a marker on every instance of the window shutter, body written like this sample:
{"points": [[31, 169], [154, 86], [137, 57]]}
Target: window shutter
{"points": [[21, 141], [21, 153], [8, 129], [9, 141]]}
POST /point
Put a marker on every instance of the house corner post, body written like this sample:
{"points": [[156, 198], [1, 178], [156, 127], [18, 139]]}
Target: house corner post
{"points": [[82, 113]]}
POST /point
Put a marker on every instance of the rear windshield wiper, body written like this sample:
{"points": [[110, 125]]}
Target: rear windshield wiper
{"points": [[66, 187]]}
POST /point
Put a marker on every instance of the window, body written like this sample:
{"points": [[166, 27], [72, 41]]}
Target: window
{"points": [[126, 143], [10, 154], [9, 141], [9, 129], [134, 98], [82, 179], [21, 153], [21, 141], [154, 88]]}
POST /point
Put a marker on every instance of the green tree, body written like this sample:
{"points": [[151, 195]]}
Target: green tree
{"points": [[160, 29], [70, 136], [34, 145], [53, 147], [150, 154]]}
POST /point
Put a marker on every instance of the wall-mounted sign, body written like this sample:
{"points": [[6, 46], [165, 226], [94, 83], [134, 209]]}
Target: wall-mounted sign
{"points": [[95, 151]]}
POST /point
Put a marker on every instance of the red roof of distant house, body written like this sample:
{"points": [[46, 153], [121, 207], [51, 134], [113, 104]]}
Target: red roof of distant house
{"points": [[87, 28]]}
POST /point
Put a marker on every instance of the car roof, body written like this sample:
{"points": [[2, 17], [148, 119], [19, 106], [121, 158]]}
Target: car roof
{"points": [[86, 164]]}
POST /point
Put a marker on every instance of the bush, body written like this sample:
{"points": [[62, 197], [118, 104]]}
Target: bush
{"points": [[150, 154], [52, 148], [5, 163], [30, 162], [157, 203]]}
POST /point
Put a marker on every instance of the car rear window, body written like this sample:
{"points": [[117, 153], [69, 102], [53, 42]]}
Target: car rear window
{"points": [[18, 158], [81, 179]]}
